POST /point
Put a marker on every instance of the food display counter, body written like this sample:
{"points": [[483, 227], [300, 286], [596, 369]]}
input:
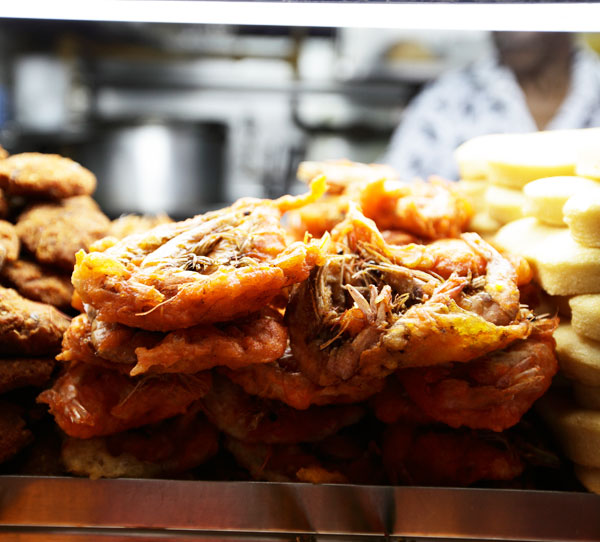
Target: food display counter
{"points": [[67, 509]]}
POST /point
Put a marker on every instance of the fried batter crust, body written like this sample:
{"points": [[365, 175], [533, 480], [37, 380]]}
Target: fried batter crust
{"points": [[39, 283], [21, 372], [54, 232], [211, 268], [45, 175], [131, 224], [29, 328], [89, 401]]}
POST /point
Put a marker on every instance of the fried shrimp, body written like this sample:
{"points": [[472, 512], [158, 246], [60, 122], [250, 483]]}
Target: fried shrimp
{"points": [[283, 381], [252, 419], [210, 268], [491, 392], [429, 210], [89, 401], [435, 456], [364, 313], [340, 314]]}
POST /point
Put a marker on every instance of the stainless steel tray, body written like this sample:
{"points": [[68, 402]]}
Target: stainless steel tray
{"points": [[34, 508]]}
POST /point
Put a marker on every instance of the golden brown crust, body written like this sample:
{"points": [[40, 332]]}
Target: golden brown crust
{"points": [[29, 328], [39, 283], [21, 372], [54, 232], [3, 153], [45, 175]]}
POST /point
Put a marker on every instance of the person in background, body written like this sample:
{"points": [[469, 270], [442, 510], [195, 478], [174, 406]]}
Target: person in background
{"points": [[535, 81]]}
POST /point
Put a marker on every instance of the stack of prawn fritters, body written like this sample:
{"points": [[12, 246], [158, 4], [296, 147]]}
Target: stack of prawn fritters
{"points": [[440, 329], [163, 308]]}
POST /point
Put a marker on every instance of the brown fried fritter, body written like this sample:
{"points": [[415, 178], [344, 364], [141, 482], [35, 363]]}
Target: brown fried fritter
{"points": [[13, 433], [9, 243], [29, 328], [45, 176], [129, 224], [21, 372], [54, 232], [39, 282]]}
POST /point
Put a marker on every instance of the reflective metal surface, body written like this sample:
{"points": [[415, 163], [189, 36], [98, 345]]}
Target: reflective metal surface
{"points": [[76, 509]]}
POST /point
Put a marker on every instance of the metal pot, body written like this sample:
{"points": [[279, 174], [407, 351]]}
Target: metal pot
{"points": [[152, 167]]}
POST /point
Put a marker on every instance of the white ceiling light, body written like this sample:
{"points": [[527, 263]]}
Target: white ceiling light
{"points": [[582, 17]]}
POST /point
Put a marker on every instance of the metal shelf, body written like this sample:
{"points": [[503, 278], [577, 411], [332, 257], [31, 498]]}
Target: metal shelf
{"points": [[60, 508]]}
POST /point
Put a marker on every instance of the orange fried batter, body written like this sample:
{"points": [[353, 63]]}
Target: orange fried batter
{"points": [[370, 309], [130, 224], [88, 401], [258, 338], [491, 392], [252, 419], [429, 210], [282, 380], [210, 268], [45, 176]]}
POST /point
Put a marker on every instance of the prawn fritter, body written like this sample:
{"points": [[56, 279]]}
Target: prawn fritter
{"points": [[21, 372], [29, 328], [9, 243], [13, 434], [90, 401], [338, 317], [429, 210], [77, 346], [55, 231], [363, 313], [167, 448], [282, 380], [211, 268], [253, 419], [439, 457], [131, 224], [491, 392], [39, 282], [45, 176], [256, 339]]}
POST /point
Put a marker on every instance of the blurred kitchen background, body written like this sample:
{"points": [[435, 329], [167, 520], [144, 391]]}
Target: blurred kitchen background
{"points": [[182, 118]]}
